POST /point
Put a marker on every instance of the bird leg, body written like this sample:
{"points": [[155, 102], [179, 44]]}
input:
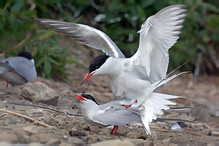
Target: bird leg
{"points": [[6, 84], [127, 106], [115, 128]]}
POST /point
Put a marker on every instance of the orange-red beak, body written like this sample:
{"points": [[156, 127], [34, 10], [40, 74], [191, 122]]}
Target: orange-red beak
{"points": [[86, 78], [80, 98]]}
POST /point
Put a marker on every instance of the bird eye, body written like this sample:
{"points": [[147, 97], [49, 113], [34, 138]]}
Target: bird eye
{"points": [[97, 66]]}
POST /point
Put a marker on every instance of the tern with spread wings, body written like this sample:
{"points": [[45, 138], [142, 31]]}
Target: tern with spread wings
{"points": [[138, 76]]}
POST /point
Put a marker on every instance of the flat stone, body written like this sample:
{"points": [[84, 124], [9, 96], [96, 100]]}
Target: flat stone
{"points": [[35, 112], [32, 129], [6, 137], [40, 92], [114, 143]]}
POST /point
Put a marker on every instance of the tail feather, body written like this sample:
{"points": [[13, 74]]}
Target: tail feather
{"points": [[153, 104], [170, 119], [153, 107]]}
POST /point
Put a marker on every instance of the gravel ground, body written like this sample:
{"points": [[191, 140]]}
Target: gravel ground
{"points": [[62, 124]]}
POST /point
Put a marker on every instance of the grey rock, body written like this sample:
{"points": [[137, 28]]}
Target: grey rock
{"points": [[201, 113], [40, 92], [6, 137], [114, 143]]}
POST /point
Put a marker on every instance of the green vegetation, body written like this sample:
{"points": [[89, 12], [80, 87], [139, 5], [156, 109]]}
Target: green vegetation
{"points": [[120, 19]]}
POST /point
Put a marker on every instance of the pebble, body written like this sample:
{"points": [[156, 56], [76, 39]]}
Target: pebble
{"points": [[77, 133], [215, 133]]}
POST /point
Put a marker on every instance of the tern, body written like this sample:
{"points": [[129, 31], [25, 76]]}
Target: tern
{"points": [[128, 77], [18, 70], [138, 76], [114, 113]]}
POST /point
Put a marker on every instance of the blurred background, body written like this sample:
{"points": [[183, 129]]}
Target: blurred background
{"points": [[120, 19], [60, 57]]}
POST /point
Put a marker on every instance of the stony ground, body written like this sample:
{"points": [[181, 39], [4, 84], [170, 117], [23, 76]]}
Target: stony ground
{"points": [[61, 123]]}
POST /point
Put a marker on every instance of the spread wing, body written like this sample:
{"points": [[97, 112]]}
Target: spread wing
{"points": [[84, 34], [157, 35]]}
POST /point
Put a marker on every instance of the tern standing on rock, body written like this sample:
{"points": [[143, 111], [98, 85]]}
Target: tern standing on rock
{"points": [[18, 70], [138, 76]]}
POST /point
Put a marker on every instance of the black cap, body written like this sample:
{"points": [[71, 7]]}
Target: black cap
{"points": [[97, 62], [88, 96], [25, 55]]}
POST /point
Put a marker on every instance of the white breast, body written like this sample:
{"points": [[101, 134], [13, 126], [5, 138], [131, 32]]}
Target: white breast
{"points": [[127, 86]]}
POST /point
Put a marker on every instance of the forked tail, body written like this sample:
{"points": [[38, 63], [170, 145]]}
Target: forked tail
{"points": [[154, 103]]}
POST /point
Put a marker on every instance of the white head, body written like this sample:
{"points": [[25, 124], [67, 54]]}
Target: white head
{"points": [[89, 106]]}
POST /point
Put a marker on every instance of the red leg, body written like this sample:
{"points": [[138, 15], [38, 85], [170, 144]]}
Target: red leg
{"points": [[127, 106], [6, 84], [115, 128]]}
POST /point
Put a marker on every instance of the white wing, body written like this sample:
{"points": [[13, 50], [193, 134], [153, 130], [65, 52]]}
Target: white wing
{"points": [[86, 35], [158, 33]]}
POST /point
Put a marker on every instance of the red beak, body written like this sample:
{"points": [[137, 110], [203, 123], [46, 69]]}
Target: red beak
{"points": [[80, 98], [86, 78]]}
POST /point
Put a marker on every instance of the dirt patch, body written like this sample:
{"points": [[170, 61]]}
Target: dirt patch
{"points": [[68, 127]]}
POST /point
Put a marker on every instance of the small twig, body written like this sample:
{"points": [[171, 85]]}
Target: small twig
{"points": [[162, 130], [206, 125], [171, 115], [190, 132], [194, 133], [44, 107], [26, 117], [19, 45]]}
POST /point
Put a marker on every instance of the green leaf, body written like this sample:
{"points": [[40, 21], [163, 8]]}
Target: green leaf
{"points": [[3, 3], [17, 6], [14, 23], [53, 61], [47, 69], [40, 62]]}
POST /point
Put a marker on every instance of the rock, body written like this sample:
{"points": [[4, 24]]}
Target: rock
{"points": [[114, 143], [16, 90], [6, 137], [215, 133], [133, 135], [32, 129], [76, 141], [76, 133], [53, 141], [42, 137], [166, 142], [197, 125], [201, 113], [15, 119], [35, 144], [5, 144], [87, 128], [35, 112], [40, 92]]}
